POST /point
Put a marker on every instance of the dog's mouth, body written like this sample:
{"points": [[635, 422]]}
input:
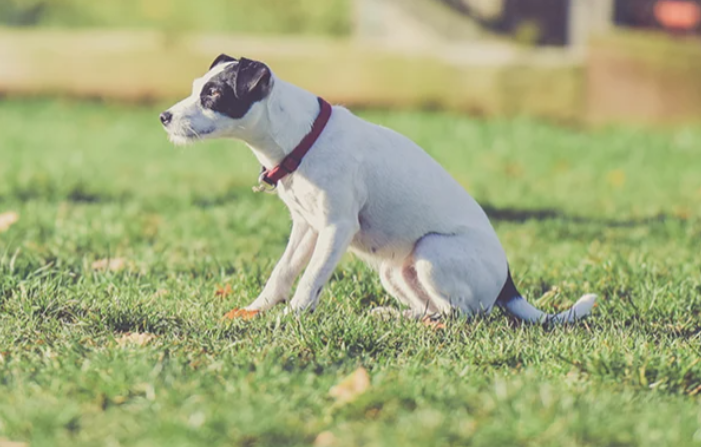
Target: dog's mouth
{"points": [[186, 136]]}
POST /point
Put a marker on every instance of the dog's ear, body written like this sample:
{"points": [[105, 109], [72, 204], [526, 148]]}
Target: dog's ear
{"points": [[222, 58], [252, 77]]}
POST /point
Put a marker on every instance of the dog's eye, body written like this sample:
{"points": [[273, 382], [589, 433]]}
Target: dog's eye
{"points": [[210, 96]]}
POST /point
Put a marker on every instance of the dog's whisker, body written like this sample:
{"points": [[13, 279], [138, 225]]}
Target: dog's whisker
{"points": [[192, 132]]}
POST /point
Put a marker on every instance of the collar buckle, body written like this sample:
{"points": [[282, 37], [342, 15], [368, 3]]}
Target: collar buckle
{"points": [[264, 184]]}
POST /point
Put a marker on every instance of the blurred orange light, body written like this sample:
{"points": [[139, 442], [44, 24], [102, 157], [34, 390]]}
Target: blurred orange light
{"points": [[676, 14]]}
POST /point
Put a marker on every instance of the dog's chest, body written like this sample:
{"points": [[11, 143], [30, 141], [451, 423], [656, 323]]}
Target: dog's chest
{"points": [[303, 202], [374, 239]]}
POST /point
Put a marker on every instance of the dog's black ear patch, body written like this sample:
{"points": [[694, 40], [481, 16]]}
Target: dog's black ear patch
{"points": [[233, 90], [252, 79], [221, 59]]}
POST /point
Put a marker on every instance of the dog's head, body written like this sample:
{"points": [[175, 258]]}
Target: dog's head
{"points": [[225, 102]]}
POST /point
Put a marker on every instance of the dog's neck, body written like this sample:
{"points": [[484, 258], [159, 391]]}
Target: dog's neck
{"points": [[288, 116]]}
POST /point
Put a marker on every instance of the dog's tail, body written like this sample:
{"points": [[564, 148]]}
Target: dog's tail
{"points": [[511, 300]]}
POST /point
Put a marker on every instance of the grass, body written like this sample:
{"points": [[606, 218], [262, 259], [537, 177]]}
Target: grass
{"points": [[326, 17], [614, 212]]}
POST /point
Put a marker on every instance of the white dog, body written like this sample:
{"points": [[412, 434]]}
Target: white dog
{"points": [[350, 184]]}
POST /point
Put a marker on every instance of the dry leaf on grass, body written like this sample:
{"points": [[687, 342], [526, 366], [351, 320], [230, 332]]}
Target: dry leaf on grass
{"points": [[351, 387], [4, 442], [160, 292], [7, 219], [433, 324], [682, 212], [114, 264], [325, 439], [223, 291], [241, 314], [616, 178], [135, 338]]}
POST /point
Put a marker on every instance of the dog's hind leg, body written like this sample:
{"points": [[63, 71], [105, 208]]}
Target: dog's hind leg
{"points": [[386, 278], [462, 272], [466, 273], [401, 282]]}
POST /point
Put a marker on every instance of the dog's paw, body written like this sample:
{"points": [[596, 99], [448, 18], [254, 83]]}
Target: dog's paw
{"points": [[298, 311], [241, 314]]}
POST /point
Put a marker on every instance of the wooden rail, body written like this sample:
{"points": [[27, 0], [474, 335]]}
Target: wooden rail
{"points": [[627, 77], [136, 66]]}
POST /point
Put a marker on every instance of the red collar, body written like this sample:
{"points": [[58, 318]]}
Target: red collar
{"points": [[294, 158]]}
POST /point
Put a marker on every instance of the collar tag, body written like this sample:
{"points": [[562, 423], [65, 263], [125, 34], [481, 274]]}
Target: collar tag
{"points": [[264, 186]]}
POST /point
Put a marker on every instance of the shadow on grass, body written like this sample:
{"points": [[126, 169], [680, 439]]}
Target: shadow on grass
{"points": [[80, 193], [521, 215]]}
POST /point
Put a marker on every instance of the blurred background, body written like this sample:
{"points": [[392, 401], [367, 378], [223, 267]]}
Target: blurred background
{"points": [[581, 61], [576, 124]]}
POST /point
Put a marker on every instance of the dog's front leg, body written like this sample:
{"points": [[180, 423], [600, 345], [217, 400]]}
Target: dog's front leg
{"points": [[297, 254], [332, 243]]}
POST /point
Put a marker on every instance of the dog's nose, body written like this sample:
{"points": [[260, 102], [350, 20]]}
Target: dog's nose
{"points": [[166, 118]]}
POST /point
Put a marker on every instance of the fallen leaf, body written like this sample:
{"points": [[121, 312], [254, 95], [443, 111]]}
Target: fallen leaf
{"points": [[513, 170], [616, 178], [223, 291], [372, 413], [150, 225], [160, 292], [134, 338], [682, 212], [351, 387], [433, 324], [325, 439], [113, 264], [241, 314], [562, 166], [4, 442], [693, 392], [7, 219], [550, 294]]}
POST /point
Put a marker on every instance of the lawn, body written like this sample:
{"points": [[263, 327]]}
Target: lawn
{"points": [[320, 17], [128, 251]]}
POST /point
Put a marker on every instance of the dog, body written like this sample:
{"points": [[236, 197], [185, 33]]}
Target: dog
{"points": [[353, 185]]}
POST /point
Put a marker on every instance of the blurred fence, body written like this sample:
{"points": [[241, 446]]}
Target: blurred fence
{"points": [[151, 65]]}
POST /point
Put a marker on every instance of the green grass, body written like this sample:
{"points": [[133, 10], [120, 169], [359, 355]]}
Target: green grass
{"points": [[332, 17], [614, 212]]}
